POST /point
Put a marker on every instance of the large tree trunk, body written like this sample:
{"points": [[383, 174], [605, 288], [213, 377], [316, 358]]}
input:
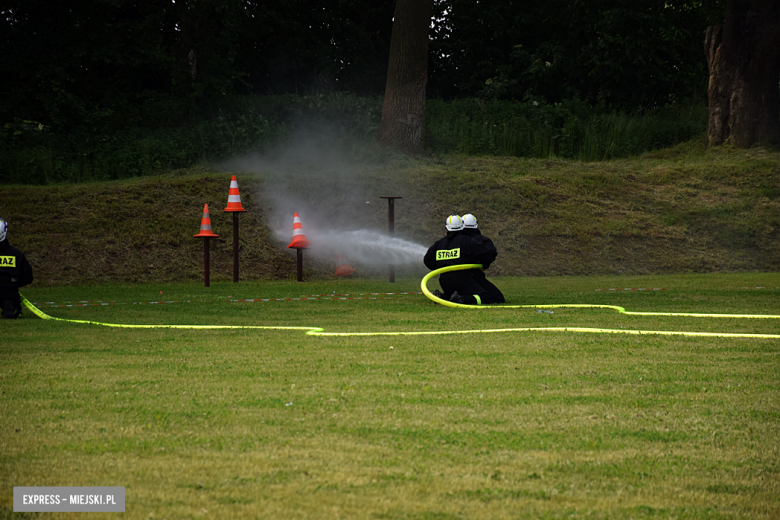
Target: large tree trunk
{"points": [[403, 112], [743, 56]]}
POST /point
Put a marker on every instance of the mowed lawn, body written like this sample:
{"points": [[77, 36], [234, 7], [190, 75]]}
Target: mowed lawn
{"points": [[275, 423]]}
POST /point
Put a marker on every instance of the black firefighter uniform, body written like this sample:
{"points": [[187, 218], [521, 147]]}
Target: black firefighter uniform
{"points": [[15, 272], [459, 248]]}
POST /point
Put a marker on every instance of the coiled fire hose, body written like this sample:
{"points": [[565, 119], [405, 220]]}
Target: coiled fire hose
{"points": [[424, 287]]}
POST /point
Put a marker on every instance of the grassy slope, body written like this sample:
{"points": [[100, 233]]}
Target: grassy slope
{"points": [[678, 210]]}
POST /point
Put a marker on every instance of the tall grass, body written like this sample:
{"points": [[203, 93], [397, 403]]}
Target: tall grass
{"points": [[572, 129], [175, 134], [164, 136]]}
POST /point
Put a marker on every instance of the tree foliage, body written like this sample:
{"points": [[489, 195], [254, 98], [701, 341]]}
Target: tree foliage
{"points": [[627, 54], [67, 62], [72, 63]]}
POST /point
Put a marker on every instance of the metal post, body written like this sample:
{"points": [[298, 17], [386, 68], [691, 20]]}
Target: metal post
{"points": [[206, 261], [391, 228], [235, 247]]}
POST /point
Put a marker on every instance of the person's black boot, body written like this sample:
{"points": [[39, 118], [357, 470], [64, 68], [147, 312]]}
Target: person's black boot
{"points": [[10, 311], [457, 298]]}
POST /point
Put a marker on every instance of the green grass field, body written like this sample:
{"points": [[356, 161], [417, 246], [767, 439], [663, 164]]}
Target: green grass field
{"points": [[253, 423]]}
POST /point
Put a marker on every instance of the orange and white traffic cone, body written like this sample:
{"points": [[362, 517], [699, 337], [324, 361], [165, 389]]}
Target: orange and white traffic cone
{"points": [[234, 198], [206, 233], [205, 225], [343, 269], [234, 206], [299, 239]]}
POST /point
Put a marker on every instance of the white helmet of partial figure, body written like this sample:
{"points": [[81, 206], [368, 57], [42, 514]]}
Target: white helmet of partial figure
{"points": [[454, 223], [469, 221], [3, 229]]}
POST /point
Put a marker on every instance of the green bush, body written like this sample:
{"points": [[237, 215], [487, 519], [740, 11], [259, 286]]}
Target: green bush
{"points": [[570, 129], [161, 136], [168, 134]]}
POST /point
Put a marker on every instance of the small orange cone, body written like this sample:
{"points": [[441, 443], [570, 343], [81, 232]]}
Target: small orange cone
{"points": [[299, 239], [234, 199], [205, 225], [343, 269]]}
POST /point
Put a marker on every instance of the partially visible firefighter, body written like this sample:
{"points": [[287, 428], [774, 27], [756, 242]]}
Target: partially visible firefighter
{"points": [[471, 228], [464, 245], [15, 272]]}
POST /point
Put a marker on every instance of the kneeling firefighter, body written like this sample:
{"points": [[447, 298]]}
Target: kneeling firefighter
{"points": [[15, 272], [471, 229], [458, 248]]}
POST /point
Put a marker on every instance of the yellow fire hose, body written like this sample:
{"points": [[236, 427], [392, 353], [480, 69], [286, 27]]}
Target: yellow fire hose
{"points": [[317, 331], [35, 310], [424, 287]]}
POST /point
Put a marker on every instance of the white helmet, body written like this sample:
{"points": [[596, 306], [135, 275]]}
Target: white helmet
{"points": [[454, 223], [470, 221], [3, 229]]}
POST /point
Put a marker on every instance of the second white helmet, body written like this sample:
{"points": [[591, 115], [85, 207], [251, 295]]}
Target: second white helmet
{"points": [[3, 229], [454, 223], [469, 221]]}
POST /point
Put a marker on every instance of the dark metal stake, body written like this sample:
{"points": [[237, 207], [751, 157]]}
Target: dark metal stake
{"points": [[299, 259], [391, 228], [206, 261], [235, 247]]}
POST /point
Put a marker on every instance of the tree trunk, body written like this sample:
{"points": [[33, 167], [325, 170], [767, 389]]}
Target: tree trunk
{"points": [[743, 56], [403, 111]]}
